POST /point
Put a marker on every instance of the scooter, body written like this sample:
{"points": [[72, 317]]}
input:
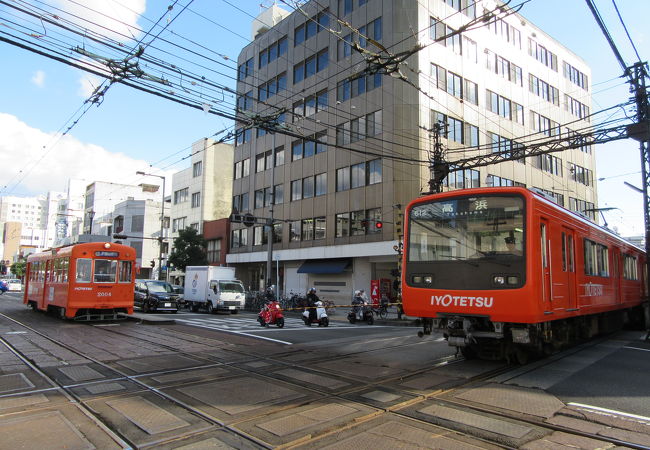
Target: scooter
{"points": [[361, 312], [271, 314], [321, 316], [3, 287]]}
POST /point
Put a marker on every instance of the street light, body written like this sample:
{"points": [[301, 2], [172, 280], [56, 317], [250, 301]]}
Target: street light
{"points": [[162, 220]]}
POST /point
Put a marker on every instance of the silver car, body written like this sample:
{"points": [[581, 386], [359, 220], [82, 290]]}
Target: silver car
{"points": [[14, 284]]}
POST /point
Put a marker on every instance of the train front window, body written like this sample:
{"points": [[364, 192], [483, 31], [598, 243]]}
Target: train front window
{"points": [[105, 270], [468, 228], [83, 270]]}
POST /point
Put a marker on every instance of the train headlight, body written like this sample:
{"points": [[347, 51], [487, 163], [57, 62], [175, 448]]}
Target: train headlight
{"points": [[512, 280], [417, 279], [107, 245], [428, 280], [500, 280]]}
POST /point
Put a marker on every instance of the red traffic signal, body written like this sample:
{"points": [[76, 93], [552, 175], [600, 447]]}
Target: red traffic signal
{"points": [[379, 224]]}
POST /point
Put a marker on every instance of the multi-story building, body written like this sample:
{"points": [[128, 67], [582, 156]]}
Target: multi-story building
{"points": [[32, 222], [202, 194], [101, 198], [354, 144], [139, 221]]}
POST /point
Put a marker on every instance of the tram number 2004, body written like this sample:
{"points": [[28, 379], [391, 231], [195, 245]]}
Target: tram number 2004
{"points": [[103, 294]]}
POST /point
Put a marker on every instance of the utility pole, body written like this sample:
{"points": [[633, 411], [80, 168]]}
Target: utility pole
{"points": [[269, 223], [438, 166], [162, 220]]}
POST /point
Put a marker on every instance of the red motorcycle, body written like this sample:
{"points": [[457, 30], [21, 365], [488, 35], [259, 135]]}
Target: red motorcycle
{"points": [[271, 314]]}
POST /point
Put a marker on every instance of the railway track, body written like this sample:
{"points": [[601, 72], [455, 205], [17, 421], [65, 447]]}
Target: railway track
{"points": [[406, 409]]}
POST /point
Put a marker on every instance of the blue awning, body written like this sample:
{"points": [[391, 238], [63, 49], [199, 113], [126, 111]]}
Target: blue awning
{"points": [[323, 266]]}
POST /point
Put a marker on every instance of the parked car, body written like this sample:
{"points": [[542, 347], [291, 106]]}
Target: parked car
{"points": [[155, 295], [14, 284], [179, 290]]}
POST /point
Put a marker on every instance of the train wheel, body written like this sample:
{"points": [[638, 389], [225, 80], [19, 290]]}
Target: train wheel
{"points": [[62, 313]]}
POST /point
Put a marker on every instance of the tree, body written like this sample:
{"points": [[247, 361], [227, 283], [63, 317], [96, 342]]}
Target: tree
{"points": [[18, 268], [189, 250]]}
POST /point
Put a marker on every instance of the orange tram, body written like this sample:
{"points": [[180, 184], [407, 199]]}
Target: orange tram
{"points": [[505, 273], [90, 281]]}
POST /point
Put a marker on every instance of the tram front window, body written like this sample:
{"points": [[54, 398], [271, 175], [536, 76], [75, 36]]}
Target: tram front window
{"points": [[467, 228], [105, 270]]}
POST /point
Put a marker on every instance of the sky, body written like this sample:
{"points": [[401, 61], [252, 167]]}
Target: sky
{"points": [[45, 140]]}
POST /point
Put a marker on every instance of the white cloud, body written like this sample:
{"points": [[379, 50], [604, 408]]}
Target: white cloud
{"points": [[114, 18], [27, 157], [39, 78], [87, 85]]}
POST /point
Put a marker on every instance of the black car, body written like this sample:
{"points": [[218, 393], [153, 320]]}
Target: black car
{"points": [[155, 295]]}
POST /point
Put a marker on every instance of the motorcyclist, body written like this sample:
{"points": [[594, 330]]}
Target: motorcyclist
{"points": [[312, 298], [357, 301]]}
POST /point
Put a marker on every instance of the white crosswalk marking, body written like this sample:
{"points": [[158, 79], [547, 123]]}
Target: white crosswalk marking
{"points": [[247, 324]]}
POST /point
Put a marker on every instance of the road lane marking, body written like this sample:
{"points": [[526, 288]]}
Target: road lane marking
{"points": [[609, 411]]}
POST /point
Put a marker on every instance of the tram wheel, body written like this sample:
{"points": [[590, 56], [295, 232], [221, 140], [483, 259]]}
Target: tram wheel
{"points": [[62, 313]]}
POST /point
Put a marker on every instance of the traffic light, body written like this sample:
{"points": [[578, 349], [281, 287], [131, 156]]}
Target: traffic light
{"points": [[153, 263], [379, 224]]}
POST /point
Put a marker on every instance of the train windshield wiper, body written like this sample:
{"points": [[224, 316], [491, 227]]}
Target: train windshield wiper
{"points": [[458, 258]]}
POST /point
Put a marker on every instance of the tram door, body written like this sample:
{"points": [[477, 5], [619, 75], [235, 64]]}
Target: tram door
{"points": [[568, 274], [545, 263]]}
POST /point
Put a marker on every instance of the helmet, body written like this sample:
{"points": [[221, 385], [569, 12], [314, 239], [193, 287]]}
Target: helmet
{"points": [[357, 292], [312, 289]]}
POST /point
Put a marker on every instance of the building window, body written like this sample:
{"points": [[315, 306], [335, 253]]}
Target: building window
{"points": [[296, 190], [308, 187], [357, 175], [320, 228], [214, 251], [196, 199], [259, 236], [181, 195], [357, 221], [294, 231], [374, 172], [178, 224], [342, 179], [259, 199], [343, 225], [197, 169], [307, 229], [321, 184], [278, 194], [137, 223]]}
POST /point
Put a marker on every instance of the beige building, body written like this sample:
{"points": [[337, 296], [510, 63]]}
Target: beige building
{"points": [[364, 145]]}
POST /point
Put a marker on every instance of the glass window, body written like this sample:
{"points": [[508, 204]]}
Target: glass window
{"points": [[319, 228], [343, 179], [374, 171], [308, 187], [309, 148], [84, 267], [296, 150], [321, 184], [279, 194], [343, 225], [279, 156], [125, 272], [105, 270], [197, 169], [357, 219], [294, 231], [456, 230], [296, 190], [358, 175], [307, 229]]}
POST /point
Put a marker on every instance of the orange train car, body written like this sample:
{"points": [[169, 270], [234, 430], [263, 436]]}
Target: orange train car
{"points": [[89, 281], [506, 272]]}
